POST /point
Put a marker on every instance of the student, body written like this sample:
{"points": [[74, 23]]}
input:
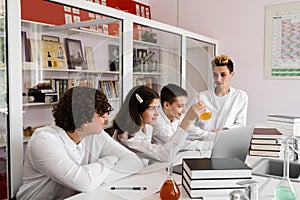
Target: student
{"points": [[133, 125], [227, 104], [173, 99], [75, 154]]}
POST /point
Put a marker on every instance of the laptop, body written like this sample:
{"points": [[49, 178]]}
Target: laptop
{"points": [[234, 142]]}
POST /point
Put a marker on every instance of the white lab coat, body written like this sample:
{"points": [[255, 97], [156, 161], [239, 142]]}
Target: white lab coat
{"points": [[227, 111], [55, 167], [141, 144], [164, 129]]}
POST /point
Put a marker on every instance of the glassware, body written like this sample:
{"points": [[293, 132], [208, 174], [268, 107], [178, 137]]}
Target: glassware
{"points": [[285, 189], [206, 115], [170, 190]]}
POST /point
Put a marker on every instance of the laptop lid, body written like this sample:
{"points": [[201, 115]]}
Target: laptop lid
{"points": [[234, 142]]}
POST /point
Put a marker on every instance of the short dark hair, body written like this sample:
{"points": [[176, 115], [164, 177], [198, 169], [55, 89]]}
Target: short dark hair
{"points": [[78, 106], [136, 102], [223, 60], [170, 91]]}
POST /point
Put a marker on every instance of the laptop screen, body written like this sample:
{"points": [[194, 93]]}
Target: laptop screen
{"points": [[232, 143]]}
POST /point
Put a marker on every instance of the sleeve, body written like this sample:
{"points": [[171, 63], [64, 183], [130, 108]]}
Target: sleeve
{"points": [[156, 151], [49, 157], [196, 133], [128, 162], [241, 117], [160, 133]]}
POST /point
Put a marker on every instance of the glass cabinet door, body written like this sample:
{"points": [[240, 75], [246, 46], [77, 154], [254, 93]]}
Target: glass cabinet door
{"points": [[156, 57], [64, 48], [199, 55], [3, 104]]}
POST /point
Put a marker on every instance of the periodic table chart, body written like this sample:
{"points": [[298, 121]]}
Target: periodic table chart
{"points": [[286, 45], [282, 41]]}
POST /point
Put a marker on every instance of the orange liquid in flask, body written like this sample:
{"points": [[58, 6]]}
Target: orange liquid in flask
{"points": [[205, 115], [169, 190]]}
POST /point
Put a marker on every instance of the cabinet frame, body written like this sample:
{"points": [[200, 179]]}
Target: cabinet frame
{"points": [[15, 106]]}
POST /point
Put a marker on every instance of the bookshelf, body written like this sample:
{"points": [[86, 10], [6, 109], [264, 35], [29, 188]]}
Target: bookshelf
{"points": [[96, 27], [88, 70]]}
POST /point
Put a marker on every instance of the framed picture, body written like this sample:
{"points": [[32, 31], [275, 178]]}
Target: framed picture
{"points": [[50, 38], [54, 55], [25, 47], [74, 53], [114, 57], [89, 57]]}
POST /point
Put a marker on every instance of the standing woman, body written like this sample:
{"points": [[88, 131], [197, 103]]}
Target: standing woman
{"points": [[133, 124], [75, 154]]}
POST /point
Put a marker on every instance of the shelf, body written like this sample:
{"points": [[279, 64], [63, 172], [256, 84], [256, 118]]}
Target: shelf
{"points": [[147, 73], [33, 66], [38, 104], [143, 43], [71, 29]]}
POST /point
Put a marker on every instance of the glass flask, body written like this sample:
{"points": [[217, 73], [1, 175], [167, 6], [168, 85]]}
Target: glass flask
{"points": [[285, 189], [170, 190], [206, 115]]}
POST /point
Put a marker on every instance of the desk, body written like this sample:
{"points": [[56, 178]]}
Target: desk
{"points": [[154, 176]]}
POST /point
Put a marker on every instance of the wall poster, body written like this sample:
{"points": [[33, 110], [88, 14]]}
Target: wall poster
{"points": [[282, 41]]}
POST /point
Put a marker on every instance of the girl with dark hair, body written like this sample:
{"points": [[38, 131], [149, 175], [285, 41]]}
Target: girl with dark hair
{"points": [[133, 124], [75, 154]]}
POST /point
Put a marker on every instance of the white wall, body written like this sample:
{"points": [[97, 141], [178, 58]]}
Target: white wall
{"points": [[239, 28]]}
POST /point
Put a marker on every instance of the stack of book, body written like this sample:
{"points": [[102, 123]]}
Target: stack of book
{"points": [[213, 176], [265, 142], [288, 125]]}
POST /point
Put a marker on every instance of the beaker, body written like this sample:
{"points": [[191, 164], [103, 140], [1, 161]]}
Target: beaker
{"points": [[170, 190], [206, 115], [285, 189]]}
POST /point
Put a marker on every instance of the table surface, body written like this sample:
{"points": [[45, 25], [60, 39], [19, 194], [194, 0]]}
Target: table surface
{"points": [[154, 176]]}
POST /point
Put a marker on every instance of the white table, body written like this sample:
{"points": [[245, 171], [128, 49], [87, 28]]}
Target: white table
{"points": [[154, 176]]}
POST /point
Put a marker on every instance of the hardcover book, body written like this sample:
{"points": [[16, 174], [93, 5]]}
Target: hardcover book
{"points": [[272, 147], [264, 141], [264, 153], [216, 168], [198, 192], [263, 133], [284, 118], [218, 183]]}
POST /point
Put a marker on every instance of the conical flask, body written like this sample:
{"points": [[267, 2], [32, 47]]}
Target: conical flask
{"points": [[285, 189], [170, 190]]}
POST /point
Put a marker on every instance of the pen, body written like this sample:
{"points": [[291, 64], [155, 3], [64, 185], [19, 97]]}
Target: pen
{"points": [[128, 188]]}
